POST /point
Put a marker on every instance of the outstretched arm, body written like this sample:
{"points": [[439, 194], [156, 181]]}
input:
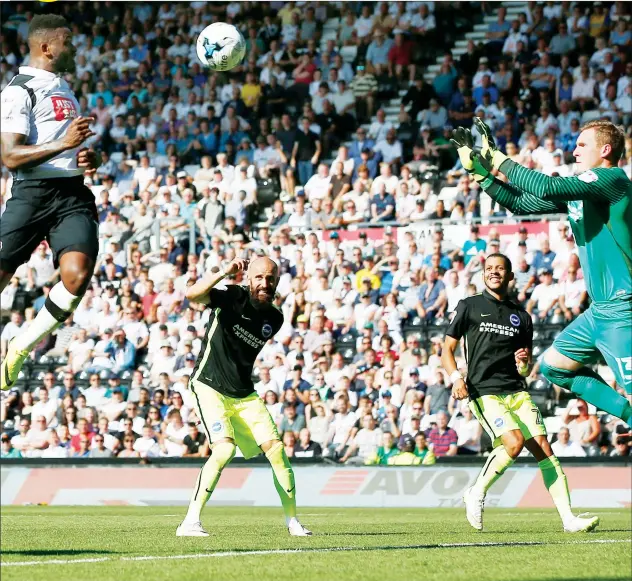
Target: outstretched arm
{"points": [[597, 185], [520, 202]]}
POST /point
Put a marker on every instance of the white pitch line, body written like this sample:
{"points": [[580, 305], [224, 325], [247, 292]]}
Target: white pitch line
{"points": [[313, 550]]}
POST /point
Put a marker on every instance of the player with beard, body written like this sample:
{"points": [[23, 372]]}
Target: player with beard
{"points": [[41, 135], [242, 321], [498, 337]]}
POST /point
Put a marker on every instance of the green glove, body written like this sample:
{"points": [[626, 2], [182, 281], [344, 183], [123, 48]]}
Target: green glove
{"points": [[464, 143], [489, 150]]}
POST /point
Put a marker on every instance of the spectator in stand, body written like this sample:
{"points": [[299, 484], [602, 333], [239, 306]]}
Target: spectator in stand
{"points": [[583, 426], [442, 440], [563, 447]]}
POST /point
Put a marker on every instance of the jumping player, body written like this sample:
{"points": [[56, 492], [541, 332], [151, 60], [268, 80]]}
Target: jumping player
{"points": [[599, 205], [232, 413], [498, 340], [41, 139]]}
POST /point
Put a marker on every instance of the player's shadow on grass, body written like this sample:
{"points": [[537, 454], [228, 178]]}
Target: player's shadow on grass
{"points": [[58, 552]]}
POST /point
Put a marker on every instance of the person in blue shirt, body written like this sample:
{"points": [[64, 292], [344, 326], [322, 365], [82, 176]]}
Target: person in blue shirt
{"points": [[544, 257], [388, 276], [382, 206], [485, 89], [569, 140], [234, 135], [432, 296], [101, 91], [360, 143], [139, 92], [298, 384], [377, 53], [208, 140], [122, 351], [38, 303], [473, 246], [140, 51]]}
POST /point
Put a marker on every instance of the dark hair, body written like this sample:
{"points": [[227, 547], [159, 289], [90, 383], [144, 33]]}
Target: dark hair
{"points": [[46, 22], [504, 257]]}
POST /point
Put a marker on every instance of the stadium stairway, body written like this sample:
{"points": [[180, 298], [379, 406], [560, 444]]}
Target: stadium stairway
{"points": [[477, 35], [392, 107]]}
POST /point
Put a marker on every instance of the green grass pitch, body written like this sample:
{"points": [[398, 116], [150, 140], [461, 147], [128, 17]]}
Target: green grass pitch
{"points": [[131, 543]]}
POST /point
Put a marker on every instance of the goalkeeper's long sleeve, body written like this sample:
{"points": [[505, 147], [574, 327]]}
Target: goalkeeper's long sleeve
{"points": [[598, 185], [519, 202]]}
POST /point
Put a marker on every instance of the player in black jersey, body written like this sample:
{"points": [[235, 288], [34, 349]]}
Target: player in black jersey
{"points": [[498, 336], [242, 321]]}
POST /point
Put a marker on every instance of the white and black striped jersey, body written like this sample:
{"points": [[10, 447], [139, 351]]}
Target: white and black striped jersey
{"points": [[40, 105]]}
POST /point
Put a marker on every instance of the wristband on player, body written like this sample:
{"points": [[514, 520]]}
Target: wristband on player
{"points": [[455, 376]]}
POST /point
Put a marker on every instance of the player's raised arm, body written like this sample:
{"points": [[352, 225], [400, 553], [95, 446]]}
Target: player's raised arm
{"points": [[200, 292], [597, 184], [519, 202], [599, 147]]}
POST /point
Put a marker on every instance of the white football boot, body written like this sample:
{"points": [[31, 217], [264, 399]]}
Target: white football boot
{"points": [[474, 506], [581, 524], [191, 529], [296, 529]]}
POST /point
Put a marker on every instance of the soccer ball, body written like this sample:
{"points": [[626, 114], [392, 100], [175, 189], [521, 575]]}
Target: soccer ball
{"points": [[221, 46]]}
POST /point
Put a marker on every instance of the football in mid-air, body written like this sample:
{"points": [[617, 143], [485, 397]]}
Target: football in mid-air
{"points": [[221, 46]]}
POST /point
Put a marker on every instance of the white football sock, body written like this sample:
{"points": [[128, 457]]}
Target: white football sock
{"points": [[60, 302]]}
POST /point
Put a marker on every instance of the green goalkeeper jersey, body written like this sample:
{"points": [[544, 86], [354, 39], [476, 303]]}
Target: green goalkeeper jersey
{"points": [[599, 206]]}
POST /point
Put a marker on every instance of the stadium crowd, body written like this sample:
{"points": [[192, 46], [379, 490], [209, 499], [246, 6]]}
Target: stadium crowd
{"points": [[292, 155]]}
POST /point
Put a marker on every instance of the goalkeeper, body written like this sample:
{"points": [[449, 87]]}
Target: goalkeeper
{"points": [[599, 205]]}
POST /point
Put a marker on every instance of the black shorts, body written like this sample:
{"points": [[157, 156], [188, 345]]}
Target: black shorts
{"points": [[60, 210]]}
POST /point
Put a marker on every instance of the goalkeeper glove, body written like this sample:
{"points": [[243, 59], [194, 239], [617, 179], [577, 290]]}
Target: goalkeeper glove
{"points": [[464, 143], [489, 150]]}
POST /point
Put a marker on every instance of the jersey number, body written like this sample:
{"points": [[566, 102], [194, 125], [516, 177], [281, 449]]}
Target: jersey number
{"points": [[538, 416], [625, 367]]}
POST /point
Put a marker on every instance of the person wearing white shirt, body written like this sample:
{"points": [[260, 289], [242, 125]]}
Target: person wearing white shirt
{"points": [[364, 311], [380, 127], [299, 218], [572, 294], [545, 122], [318, 185], [454, 290], [557, 168], [41, 265], [55, 449], [144, 174], [174, 435], [563, 447], [80, 351], [146, 445], [241, 182], [390, 148], [364, 23], [12, 329], [266, 383], [385, 178], [545, 296], [340, 427], [95, 396], [45, 407]]}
